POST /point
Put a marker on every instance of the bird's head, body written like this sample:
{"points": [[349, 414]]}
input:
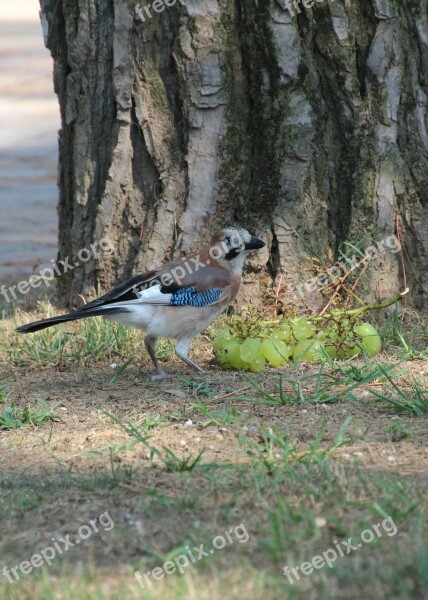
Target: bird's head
{"points": [[229, 247]]}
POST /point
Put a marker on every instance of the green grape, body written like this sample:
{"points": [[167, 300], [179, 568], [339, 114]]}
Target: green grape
{"points": [[370, 338], [276, 351], [222, 356], [332, 334], [220, 340], [331, 350], [234, 355], [346, 324], [322, 335], [300, 350], [281, 334], [258, 364], [229, 355], [303, 329], [348, 349], [349, 346], [250, 349], [285, 330], [309, 351]]}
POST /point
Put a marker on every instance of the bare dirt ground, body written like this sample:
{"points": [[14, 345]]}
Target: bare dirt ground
{"points": [[81, 396]]}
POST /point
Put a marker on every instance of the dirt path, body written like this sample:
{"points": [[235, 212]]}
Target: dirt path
{"points": [[29, 121]]}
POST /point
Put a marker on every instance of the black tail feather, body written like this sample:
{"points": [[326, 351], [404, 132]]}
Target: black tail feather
{"points": [[82, 314]]}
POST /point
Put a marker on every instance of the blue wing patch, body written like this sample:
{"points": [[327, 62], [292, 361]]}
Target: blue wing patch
{"points": [[191, 297]]}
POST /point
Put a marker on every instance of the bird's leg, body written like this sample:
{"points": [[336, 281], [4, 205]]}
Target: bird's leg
{"points": [[149, 342], [182, 350]]}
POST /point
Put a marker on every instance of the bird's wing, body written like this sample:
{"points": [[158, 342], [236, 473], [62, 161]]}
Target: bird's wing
{"points": [[128, 290], [174, 284]]}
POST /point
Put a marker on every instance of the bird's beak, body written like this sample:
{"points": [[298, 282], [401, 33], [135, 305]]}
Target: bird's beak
{"points": [[255, 244]]}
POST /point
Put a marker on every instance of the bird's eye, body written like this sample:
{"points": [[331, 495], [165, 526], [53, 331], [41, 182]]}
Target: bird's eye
{"points": [[227, 240]]}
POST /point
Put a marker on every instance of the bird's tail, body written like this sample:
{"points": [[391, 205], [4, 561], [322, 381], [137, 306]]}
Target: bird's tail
{"points": [[74, 316]]}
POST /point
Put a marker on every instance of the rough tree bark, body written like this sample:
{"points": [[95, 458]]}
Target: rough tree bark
{"points": [[307, 128]]}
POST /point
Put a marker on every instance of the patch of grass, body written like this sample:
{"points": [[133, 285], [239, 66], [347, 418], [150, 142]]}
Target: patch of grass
{"points": [[221, 416], [311, 500], [318, 388], [166, 455], [199, 386], [409, 352], [14, 417], [346, 372], [292, 503], [413, 401], [174, 463], [120, 472], [406, 333], [398, 430], [17, 494], [121, 370], [83, 342], [4, 386], [274, 447], [137, 429]]}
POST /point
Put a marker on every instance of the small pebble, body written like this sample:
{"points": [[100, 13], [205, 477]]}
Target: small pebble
{"points": [[141, 530], [128, 518], [320, 521]]}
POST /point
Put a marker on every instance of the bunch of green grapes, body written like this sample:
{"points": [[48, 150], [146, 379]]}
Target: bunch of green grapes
{"points": [[252, 353], [251, 345], [347, 337]]}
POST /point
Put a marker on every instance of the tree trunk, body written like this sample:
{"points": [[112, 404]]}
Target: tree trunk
{"points": [[308, 128]]}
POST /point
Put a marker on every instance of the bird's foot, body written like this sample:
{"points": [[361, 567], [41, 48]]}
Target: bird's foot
{"points": [[159, 375]]}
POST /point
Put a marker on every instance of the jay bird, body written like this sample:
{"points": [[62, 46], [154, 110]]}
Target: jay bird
{"points": [[177, 300]]}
